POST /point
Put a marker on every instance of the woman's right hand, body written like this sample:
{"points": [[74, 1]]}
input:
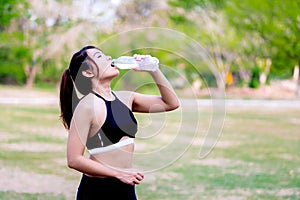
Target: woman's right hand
{"points": [[131, 176]]}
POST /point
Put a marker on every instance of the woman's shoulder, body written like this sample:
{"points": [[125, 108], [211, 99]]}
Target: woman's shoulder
{"points": [[125, 96], [89, 103]]}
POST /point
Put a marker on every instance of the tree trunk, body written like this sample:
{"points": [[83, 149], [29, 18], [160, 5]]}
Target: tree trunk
{"points": [[296, 77], [298, 88], [266, 65], [31, 72], [220, 79]]}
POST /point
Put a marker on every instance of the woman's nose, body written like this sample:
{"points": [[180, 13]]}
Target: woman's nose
{"points": [[109, 58]]}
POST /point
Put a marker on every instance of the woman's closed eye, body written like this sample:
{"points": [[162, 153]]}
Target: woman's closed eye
{"points": [[98, 55]]}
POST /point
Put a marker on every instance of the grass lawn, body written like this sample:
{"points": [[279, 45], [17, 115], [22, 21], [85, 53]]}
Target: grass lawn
{"points": [[256, 157]]}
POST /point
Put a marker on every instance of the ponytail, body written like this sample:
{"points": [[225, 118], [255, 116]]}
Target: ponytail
{"points": [[68, 98], [73, 81]]}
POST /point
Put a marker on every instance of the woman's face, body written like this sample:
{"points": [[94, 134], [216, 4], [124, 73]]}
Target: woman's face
{"points": [[104, 68]]}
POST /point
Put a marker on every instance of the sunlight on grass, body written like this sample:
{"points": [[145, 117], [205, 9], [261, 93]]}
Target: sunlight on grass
{"points": [[257, 156]]}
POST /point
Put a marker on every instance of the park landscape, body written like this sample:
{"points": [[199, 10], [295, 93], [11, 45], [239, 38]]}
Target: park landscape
{"points": [[256, 155], [233, 64]]}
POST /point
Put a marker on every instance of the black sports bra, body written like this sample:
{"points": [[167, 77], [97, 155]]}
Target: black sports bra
{"points": [[119, 122]]}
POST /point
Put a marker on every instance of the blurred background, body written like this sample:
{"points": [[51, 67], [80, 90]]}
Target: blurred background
{"points": [[254, 45], [244, 53]]}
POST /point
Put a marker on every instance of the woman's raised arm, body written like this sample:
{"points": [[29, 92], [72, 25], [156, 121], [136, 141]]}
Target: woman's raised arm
{"points": [[149, 103]]}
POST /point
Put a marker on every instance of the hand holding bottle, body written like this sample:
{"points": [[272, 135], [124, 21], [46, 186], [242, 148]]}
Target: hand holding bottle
{"points": [[137, 62]]}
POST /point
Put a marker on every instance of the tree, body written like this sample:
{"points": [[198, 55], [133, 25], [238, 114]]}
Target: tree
{"points": [[10, 9], [29, 40], [203, 20], [271, 28], [13, 53]]}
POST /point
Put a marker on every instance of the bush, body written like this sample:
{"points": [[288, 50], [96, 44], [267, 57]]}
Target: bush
{"points": [[254, 82], [11, 69]]}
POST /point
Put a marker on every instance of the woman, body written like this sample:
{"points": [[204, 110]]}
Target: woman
{"points": [[102, 121]]}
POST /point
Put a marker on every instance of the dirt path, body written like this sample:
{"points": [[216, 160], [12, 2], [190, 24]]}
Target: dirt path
{"points": [[18, 180], [13, 179]]}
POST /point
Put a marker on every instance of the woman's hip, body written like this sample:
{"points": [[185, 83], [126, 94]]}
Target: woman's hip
{"points": [[104, 188]]}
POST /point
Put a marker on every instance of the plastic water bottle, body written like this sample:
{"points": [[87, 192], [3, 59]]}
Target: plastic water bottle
{"points": [[128, 62]]}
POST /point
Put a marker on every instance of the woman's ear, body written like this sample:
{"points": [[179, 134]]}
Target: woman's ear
{"points": [[88, 73]]}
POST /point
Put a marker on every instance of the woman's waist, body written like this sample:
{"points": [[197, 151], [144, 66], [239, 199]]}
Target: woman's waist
{"points": [[118, 155], [123, 142]]}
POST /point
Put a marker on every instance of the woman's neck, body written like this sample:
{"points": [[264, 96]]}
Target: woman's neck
{"points": [[103, 90]]}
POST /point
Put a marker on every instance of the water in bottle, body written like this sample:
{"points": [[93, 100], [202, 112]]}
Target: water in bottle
{"points": [[148, 63]]}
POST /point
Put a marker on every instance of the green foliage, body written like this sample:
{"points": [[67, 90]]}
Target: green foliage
{"points": [[13, 62], [282, 68], [179, 19], [269, 29], [48, 72], [228, 30], [254, 81], [9, 10], [12, 71], [14, 56], [192, 4]]}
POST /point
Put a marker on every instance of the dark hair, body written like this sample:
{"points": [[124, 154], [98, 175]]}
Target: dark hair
{"points": [[73, 77]]}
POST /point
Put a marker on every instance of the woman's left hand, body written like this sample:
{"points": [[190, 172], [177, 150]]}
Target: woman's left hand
{"points": [[139, 57], [146, 63]]}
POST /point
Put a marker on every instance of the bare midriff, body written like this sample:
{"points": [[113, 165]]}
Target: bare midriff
{"points": [[118, 158]]}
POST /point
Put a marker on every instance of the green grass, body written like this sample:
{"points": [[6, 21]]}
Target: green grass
{"points": [[256, 157], [27, 196]]}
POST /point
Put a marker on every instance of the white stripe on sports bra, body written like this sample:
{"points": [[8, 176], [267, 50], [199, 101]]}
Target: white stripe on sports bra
{"points": [[117, 145]]}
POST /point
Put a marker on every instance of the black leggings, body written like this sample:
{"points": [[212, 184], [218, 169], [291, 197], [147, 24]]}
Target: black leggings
{"points": [[91, 188]]}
